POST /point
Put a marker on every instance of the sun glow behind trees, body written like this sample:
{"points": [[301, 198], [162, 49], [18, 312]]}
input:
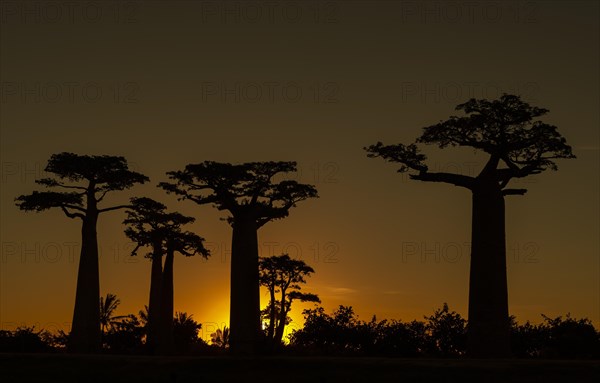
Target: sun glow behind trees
{"points": [[386, 71]]}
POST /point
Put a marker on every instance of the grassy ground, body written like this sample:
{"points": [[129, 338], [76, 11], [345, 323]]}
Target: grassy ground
{"points": [[45, 368]]}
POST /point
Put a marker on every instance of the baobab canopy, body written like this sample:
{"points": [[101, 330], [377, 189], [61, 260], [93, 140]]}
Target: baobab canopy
{"points": [[503, 128], [241, 187]]}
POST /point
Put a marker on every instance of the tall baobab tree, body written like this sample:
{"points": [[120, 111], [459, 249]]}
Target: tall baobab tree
{"points": [[250, 194], [517, 147], [149, 224], [283, 275], [86, 180]]}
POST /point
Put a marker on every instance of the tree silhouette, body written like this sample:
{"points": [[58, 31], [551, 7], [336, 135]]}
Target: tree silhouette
{"points": [[185, 330], [447, 331], [185, 243], [146, 227], [252, 198], [125, 335], [282, 274], [108, 306], [506, 131], [149, 224], [87, 179], [220, 338]]}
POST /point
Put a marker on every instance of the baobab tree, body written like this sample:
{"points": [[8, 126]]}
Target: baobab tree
{"points": [[187, 244], [283, 275], [252, 197], [516, 146], [86, 180], [150, 225]]}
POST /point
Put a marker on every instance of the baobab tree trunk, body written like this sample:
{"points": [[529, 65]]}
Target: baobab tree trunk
{"points": [[85, 332], [281, 322], [244, 320], [488, 325], [154, 304], [166, 323], [272, 313]]}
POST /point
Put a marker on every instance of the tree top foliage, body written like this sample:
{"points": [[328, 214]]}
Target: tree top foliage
{"points": [[106, 172], [84, 176], [505, 128], [283, 271], [247, 188], [149, 224]]}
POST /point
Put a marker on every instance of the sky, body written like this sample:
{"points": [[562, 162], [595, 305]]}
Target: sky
{"points": [[167, 84]]}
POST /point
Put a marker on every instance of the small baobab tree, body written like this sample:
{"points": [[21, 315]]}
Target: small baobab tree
{"points": [[253, 198], [187, 244], [150, 225], [516, 146], [86, 181]]}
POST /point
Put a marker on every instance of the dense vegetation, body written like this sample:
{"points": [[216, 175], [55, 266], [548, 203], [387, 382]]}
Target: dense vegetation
{"points": [[340, 333]]}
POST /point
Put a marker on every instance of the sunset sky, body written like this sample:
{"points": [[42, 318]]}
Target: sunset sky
{"points": [[167, 84]]}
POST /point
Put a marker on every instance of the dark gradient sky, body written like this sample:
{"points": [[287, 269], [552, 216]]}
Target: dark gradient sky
{"points": [[166, 84]]}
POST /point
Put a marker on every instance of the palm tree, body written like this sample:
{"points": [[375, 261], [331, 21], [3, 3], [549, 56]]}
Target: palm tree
{"points": [[108, 306], [220, 338], [185, 331]]}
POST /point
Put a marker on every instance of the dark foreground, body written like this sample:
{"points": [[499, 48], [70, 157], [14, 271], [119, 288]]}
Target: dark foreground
{"points": [[108, 369]]}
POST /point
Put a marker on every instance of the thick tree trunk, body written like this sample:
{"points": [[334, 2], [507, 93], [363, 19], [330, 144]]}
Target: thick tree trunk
{"points": [[154, 305], [167, 341], [488, 326], [85, 333], [245, 335]]}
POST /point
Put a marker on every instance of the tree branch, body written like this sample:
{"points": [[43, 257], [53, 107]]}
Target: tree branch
{"points": [[74, 207], [491, 165], [514, 191], [134, 251], [72, 215], [51, 182], [451, 178], [114, 208], [102, 196], [71, 187]]}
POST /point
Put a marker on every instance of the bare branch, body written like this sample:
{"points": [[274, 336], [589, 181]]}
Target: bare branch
{"points": [[514, 191], [451, 178], [102, 196], [51, 182], [114, 208], [71, 215], [74, 207]]}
